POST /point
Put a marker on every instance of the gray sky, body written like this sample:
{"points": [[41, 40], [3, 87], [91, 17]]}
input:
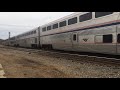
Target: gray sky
{"points": [[19, 22]]}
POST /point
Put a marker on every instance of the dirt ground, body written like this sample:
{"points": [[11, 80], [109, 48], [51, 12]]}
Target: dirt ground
{"points": [[21, 64]]}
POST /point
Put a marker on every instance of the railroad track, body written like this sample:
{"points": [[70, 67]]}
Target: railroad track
{"points": [[100, 58]]}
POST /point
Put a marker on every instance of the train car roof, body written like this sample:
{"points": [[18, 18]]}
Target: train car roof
{"points": [[27, 31], [64, 18]]}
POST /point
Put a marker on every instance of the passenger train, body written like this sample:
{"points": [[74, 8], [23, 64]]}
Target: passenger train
{"points": [[97, 32]]}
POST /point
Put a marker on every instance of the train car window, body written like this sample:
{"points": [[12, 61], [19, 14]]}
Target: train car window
{"points": [[55, 26], [34, 31], [44, 29], [62, 24], [85, 17], [100, 14], [49, 28], [107, 38], [74, 37], [72, 21], [118, 38]]}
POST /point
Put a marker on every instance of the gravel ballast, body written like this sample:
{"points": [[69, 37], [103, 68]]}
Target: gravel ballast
{"points": [[21, 64]]}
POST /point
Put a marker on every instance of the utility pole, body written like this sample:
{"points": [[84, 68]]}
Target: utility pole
{"points": [[39, 37], [9, 39]]}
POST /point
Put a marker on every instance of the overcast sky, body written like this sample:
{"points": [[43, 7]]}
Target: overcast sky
{"points": [[19, 22]]}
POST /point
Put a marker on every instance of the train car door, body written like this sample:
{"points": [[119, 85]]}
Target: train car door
{"points": [[118, 39], [74, 40]]}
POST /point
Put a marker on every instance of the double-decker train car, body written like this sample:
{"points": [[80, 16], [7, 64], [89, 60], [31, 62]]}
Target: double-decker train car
{"points": [[87, 31], [28, 39], [82, 31], [5, 42], [10, 41]]}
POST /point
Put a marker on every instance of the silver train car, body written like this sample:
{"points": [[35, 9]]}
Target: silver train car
{"points": [[28, 39], [9, 42], [82, 31]]}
